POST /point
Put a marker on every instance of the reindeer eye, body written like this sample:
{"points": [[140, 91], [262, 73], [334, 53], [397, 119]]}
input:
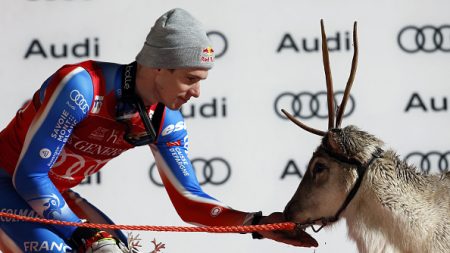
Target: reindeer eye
{"points": [[319, 168]]}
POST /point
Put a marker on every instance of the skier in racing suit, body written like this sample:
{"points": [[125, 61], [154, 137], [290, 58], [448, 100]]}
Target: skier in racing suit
{"points": [[86, 114]]}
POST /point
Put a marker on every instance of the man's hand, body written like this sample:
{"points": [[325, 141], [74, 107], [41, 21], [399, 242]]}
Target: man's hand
{"points": [[294, 237], [91, 240], [107, 245]]}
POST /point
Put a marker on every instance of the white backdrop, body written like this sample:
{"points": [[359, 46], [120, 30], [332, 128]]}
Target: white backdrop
{"points": [[267, 49]]}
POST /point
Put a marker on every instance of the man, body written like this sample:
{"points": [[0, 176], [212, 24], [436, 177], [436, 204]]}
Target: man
{"points": [[88, 113]]}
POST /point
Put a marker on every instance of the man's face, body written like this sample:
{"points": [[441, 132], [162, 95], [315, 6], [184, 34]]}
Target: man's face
{"points": [[174, 88]]}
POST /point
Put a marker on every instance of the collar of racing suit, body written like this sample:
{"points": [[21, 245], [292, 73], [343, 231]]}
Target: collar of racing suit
{"points": [[129, 103]]}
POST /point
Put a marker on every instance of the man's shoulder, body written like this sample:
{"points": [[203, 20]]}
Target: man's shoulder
{"points": [[92, 66]]}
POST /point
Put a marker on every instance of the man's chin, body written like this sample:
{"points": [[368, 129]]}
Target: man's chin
{"points": [[174, 106]]}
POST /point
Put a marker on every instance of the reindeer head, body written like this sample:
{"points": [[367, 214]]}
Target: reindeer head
{"points": [[332, 175], [338, 164]]}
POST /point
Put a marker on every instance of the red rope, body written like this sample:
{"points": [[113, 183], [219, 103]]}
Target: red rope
{"points": [[212, 229]]}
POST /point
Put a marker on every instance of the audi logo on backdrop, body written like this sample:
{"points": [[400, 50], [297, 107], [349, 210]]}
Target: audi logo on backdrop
{"points": [[432, 161], [217, 108], [425, 38], [89, 47], [219, 42], [421, 102], [42, 48], [307, 105], [214, 171], [90, 180], [339, 41]]}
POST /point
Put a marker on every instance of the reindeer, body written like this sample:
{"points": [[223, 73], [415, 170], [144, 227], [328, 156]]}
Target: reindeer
{"points": [[388, 205]]}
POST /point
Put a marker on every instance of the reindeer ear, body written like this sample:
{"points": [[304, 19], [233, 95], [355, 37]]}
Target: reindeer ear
{"points": [[333, 140]]}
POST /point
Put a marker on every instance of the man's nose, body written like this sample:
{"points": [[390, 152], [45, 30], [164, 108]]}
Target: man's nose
{"points": [[195, 90]]}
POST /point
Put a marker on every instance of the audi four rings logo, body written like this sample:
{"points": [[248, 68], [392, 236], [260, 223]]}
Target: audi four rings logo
{"points": [[215, 171], [79, 100], [427, 38], [306, 105], [433, 161], [219, 42]]}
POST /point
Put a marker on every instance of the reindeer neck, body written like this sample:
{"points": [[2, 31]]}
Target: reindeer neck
{"points": [[382, 208], [390, 171]]}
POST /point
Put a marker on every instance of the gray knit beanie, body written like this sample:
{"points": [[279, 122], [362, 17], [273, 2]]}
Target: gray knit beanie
{"points": [[177, 40]]}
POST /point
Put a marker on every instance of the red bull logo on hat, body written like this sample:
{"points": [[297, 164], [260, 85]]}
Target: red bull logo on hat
{"points": [[208, 51], [207, 54]]}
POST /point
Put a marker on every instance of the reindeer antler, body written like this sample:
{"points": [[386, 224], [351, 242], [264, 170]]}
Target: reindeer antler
{"points": [[300, 124], [351, 78], [329, 81]]}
